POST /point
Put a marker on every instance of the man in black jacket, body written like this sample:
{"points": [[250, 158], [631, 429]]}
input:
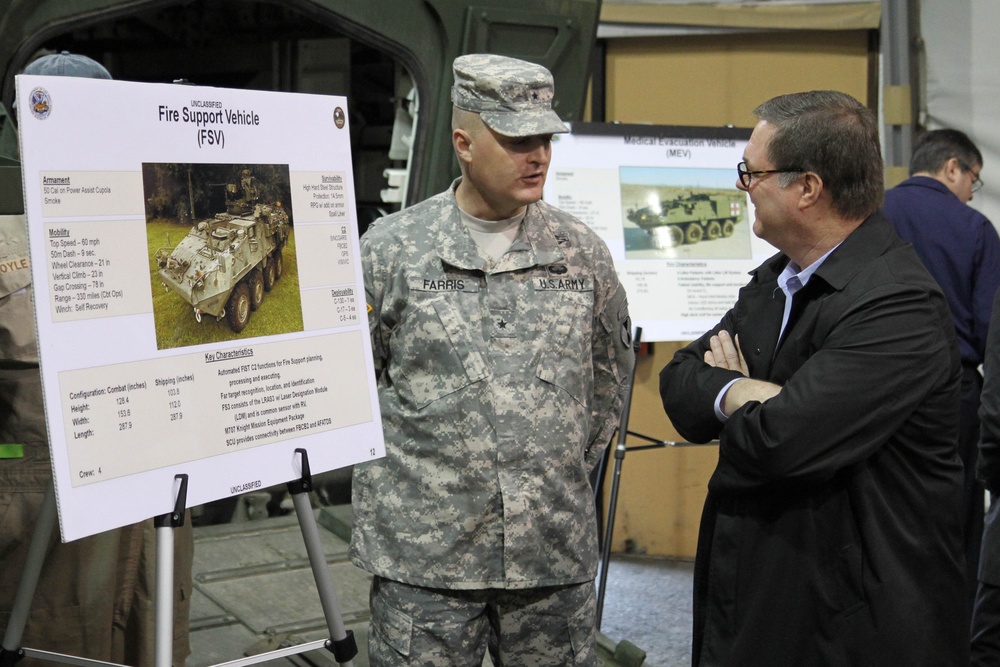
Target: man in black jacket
{"points": [[831, 531], [986, 615]]}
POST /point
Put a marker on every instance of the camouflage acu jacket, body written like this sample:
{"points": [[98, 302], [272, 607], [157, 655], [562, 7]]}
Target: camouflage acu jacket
{"points": [[22, 420], [499, 390]]}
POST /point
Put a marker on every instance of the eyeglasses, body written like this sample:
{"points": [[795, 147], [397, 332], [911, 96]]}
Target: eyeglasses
{"points": [[746, 175], [977, 183]]}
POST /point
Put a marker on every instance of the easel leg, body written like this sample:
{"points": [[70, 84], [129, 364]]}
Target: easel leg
{"points": [[165, 524], [615, 480], [10, 651], [342, 643], [164, 596]]}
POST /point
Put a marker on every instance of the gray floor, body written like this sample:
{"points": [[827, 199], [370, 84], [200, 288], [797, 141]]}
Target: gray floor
{"points": [[254, 592], [647, 601]]}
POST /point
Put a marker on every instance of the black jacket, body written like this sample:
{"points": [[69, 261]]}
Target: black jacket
{"points": [[988, 465], [831, 532]]}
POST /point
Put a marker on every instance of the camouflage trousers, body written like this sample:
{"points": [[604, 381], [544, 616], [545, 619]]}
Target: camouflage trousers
{"points": [[428, 627]]}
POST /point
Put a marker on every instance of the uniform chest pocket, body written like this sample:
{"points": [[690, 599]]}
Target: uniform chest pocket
{"points": [[566, 324], [435, 351]]}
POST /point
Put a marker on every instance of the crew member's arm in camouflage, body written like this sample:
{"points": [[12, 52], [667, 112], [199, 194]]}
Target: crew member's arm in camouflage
{"points": [[613, 361], [374, 276]]}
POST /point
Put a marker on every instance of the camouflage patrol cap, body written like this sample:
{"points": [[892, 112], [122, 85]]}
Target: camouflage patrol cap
{"points": [[513, 97], [67, 64]]}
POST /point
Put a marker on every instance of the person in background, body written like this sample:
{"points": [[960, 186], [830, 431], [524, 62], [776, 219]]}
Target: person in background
{"points": [[961, 249], [502, 348], [986, 612], [95, 595], [831, 531]]}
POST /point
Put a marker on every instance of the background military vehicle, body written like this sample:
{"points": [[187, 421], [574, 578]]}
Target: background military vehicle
{"points": [[392, 59], [689, 218], [225, 264]]}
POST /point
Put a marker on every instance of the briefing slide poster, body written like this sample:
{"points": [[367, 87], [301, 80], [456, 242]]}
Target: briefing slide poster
{"points": [[665, 201], [198, 293]]}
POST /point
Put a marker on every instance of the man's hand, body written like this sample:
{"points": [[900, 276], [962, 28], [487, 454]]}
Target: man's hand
{"points": [[726, 353]]}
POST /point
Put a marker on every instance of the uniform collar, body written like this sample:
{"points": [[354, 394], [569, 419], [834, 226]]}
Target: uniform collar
{"points": [[536, 244]]}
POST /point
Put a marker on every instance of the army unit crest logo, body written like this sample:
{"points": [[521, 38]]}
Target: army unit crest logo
{"points": [[40, 103]]}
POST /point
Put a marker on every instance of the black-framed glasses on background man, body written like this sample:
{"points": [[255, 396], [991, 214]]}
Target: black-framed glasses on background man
{"points": [[746, 175]]}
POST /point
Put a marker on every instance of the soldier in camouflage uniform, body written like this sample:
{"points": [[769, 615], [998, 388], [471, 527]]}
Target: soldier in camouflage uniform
{"points": [[502, 349]]}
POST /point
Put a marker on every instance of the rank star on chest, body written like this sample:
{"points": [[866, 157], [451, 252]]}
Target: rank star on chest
{"points": [[504, 324]]}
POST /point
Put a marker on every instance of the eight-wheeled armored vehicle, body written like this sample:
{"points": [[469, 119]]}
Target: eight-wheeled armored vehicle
{"points": [[689, 218], [225, 264]]}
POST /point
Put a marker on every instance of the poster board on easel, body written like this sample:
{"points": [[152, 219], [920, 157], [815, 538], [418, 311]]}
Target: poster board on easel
{"points": [[144, 376], [664, 199]]}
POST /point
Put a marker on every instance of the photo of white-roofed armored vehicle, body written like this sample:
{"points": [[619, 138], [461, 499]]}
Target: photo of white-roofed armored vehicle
{"points": [[227, 263]]}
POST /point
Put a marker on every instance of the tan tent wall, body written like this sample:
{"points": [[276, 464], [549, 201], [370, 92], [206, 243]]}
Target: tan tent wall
{"points": [[803, 15], [703, 80]]}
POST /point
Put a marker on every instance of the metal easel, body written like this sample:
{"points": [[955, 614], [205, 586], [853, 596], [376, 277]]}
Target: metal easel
{"points": [[619, 454], [11, 650], [341, 642]]}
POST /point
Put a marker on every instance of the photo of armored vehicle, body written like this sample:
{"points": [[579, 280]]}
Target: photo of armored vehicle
{"points": [[689, 218], [226, 264]]}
